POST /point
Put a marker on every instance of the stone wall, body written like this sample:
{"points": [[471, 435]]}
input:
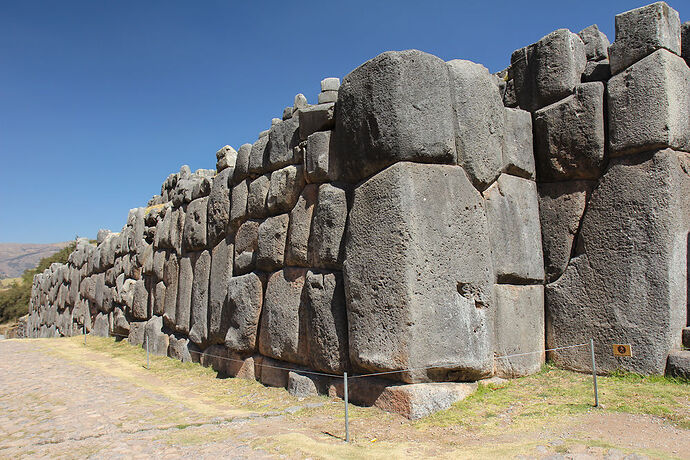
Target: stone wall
{"points": [[425, 217]]}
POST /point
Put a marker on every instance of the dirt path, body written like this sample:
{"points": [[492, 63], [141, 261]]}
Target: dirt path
{"points": [[84, 403]]}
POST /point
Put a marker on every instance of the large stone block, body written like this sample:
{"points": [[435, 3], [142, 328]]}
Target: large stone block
{"points": [[272, 236], [561, 206], [221, 272], [198, 331], [296, 250], [548, 70], [246, 244], [649, 105], [170, 278], [395, 107], [238, 207], [194, 236], [479, 121], [327, 319], [421, 399], [256, 196], [518, 329], [628, 283], [320, 162], [678, 364], [244, 300], [685, 41], [569, 135], [284, 189], [179, 347], [596, 43], [242, 164], [418, 274], [512, 209], [315, 118], [158, 304], [642, 31], [140, 301], [282, 334], [184, 293], [328, 227], [282, 139], [518, 153], [258, 157], [218, 213], [158, 341]]}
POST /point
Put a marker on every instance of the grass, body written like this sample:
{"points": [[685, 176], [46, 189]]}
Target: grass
{"points": [[8, 282]]}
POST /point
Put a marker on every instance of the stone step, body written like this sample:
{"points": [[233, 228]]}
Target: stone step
{"points": [[678, 364], [686, 337]]}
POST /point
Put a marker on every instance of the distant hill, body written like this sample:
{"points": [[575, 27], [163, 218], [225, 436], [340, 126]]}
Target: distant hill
{"points": [[15, 258]]}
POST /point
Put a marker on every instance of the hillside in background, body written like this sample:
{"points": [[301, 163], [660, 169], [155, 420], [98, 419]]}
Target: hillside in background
{"points": [[15, 258]]}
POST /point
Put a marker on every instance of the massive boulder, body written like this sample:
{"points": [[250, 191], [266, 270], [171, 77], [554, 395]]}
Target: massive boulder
{"points": [[296, 250], [221, 272], [328, 226], [395, 107], [198, 321], [628, 282], [218, 213], [244, 300], [418, 274]]}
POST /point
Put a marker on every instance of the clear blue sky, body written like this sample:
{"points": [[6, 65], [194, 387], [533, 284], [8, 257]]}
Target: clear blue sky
{"points": [[100, 101]]}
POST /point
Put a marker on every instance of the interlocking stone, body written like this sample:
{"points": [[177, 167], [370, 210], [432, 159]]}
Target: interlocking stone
{"points": [[296, 250], [272, 236], [246, 244], [284, 189], [244, 300], [328, 227]]}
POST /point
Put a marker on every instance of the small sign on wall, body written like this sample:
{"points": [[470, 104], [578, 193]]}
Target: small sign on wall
{"points": [[622, 349]]}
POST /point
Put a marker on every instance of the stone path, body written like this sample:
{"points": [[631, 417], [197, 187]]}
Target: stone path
{"points": [[50, 407]]}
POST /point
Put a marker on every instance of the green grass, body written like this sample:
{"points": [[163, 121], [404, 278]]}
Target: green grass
{"points": [[553, 392]]}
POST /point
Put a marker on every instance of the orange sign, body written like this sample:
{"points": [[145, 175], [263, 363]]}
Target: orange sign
{"points": [[622, 349]]}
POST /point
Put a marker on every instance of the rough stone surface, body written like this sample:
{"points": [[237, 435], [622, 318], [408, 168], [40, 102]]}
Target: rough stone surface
{"points": [[518, 153], [596, 43], [272, 236], [328, 227], [136, 333], [221, 272], [184, 293], [242, 163], [685, 41], [301, 386], [479, 121], [194, 236], [320, 162], [140, 301], [158, 341], [284, 189], [218, 213], [238, 208], [178, 348], [327, 319], [101, 325], [421, 399], [258, 156], [569, 135], [256, 197], [561, 206], [395, 107], [315, 118], [283, 137], [244, 300], [246, 244], [641, 32], [225, 158], [548, 70], [296, 250], [518, 328], [282, 334], [512, 209], [628, 281], [649, 105], [434, 298], [678, 364], [597, 71], [198, 332]]}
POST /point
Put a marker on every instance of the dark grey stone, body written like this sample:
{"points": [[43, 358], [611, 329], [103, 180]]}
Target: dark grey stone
{"points": [[328, 227], [244, 300]]}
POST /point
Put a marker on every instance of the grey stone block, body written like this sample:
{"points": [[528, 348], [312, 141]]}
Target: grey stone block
{"points": [[178, 348], [136, 333], [631, 264], [258, 157], [685, 41], [330, 84], [316, 118], [238, 208], [296, 249], [170, 278], [678, 364], [284, 189], [140, 301], [561, 206], [395, 107], [198, 331], [320, 162], [518, 154], [328, 96], [479, 121], [256, 197], [284, 136], [518, 328], [287, 113], [184, 293], [241, 171], [101, 326], [225, 158], [328, 227], [421, 399], [218, 213], [569, 137], [194, 236], [417, 270], [512, 210], [272, 236], [282, 332], [649, 105], [244, 300], [221, 272], [327, 319], [596, 43], [597, 71], [158, 306], [300, 102], [246, 244], [301, 386], [642, 31], [548, 70], [158, 341]]}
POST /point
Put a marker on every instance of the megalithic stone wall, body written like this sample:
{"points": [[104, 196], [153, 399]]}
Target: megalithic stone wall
{"points": [[424, 217]]}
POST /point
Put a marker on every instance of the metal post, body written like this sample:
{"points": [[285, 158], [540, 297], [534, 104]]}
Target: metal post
{"points": [[84, 332], [347, 420], [147, 352], [594, 374]]}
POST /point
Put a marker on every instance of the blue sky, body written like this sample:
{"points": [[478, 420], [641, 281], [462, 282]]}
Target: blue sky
{"points": [[100, 101]]}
